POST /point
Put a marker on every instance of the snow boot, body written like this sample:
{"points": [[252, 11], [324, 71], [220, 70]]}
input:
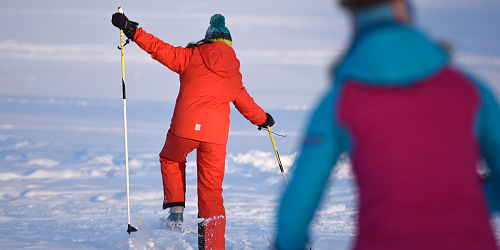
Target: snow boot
{"points": [[175, 217]]}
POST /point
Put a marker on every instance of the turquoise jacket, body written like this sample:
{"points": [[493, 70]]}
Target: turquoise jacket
{"points": [[383, 54]]}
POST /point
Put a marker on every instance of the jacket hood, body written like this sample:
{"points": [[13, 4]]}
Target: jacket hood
{"points": [[390, 54], [220, 58]]}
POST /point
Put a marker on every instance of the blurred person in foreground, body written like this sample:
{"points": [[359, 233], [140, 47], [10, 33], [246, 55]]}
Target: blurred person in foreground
{"points": [[416, 129], [210, 79]]}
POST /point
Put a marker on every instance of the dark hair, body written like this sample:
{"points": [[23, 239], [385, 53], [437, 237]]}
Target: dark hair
{"points": [[356, 4], [200, 42]]}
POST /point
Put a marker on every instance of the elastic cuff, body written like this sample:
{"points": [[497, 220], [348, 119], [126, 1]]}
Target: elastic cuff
{"points": [[174, 204]]}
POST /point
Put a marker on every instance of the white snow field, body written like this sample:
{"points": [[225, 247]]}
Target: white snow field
{"points": [[63, 186]]}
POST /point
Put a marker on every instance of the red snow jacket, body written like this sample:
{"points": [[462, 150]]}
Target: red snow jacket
{"points": [[209, 80]]}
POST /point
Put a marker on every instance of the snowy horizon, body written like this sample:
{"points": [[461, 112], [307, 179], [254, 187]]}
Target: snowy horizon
{"points": [[285, 49]]}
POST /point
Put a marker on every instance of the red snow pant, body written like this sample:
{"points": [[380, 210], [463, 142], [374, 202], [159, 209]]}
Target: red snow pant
{"points": [[210, 165]]}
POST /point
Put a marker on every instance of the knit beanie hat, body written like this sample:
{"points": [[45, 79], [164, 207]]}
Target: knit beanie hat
{"points": [[217, 30]]}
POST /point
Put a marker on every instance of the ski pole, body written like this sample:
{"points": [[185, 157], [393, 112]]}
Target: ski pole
{"points": [[281, 166], [277, 155], [130, 228]]}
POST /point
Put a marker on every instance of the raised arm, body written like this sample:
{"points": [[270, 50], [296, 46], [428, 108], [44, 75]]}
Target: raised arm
{"points": [[175, 58]]}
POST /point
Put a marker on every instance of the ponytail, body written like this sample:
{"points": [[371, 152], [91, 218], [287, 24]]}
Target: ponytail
{"points": [[201, 42]]}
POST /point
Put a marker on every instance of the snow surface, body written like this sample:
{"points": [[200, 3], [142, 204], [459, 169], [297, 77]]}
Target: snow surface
{"points": [[62, 178]]}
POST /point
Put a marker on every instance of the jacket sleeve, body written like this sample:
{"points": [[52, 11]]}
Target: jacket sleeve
{"points": [[175, 58], [488, 131], [323, 143], [248, 108]]}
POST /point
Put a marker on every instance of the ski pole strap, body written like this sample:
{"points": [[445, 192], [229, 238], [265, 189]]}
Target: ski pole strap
{"points": [[123, 45], [271, 132]]}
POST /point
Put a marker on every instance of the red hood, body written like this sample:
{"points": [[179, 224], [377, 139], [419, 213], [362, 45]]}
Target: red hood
{"points": [[220, 58]]}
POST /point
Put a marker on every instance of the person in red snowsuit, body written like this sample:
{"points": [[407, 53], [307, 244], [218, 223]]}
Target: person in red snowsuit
{"points": [[209, 80]]}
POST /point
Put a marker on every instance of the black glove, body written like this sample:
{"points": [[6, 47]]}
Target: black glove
{"points": [[120, 21], [269, 122]]}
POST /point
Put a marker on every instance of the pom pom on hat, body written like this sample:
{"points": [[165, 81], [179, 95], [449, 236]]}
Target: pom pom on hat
{"points": [[217, 29]]}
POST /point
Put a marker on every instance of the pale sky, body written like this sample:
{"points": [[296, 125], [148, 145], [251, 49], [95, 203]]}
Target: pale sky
{"points": [[68, 49]]}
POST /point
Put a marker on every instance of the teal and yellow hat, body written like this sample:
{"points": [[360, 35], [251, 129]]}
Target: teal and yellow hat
{"points": [[217, 30]]}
